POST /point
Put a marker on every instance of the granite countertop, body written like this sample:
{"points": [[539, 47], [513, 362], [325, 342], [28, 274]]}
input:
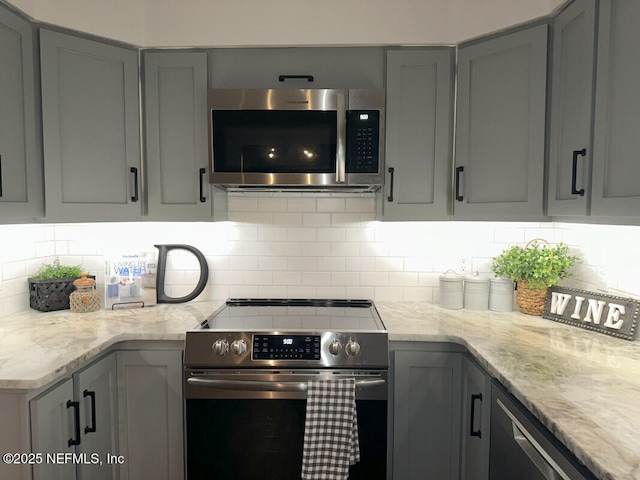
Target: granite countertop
{"points": [[582, 385]]}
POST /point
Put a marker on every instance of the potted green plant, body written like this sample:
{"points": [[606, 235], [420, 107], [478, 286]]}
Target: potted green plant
{"points": [[534, 268], [50, 287]]}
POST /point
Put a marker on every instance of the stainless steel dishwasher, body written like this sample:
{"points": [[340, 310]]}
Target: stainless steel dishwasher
{"points": [[524, 449]]}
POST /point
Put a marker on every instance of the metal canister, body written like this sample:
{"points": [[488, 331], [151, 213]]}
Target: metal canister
{"points": [[476, 292], [451, 290], [500, 294]]}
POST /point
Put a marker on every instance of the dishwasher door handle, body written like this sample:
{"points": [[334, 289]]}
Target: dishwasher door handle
{"points": [[267, 385], [541, 459], [533, 454]]}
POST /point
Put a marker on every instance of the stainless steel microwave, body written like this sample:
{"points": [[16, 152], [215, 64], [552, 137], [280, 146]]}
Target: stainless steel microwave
{"points": [[304, 138]]}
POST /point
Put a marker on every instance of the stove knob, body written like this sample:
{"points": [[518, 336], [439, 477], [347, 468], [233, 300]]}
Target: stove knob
{"points": [[238, 347], [335, 347], [352, 348], [220, 347]]}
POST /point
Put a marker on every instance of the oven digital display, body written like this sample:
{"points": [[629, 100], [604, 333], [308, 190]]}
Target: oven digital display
{"points": [[286, 347]]}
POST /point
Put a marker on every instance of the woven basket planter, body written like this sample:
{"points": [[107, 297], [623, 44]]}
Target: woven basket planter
{"points": [[48, 295], [530, 301]]}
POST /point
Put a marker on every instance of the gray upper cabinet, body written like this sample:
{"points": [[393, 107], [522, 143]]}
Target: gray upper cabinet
{"points": [[419, 87], [616, 142], [570, 136], [500, 132], [91, 129], [176, 135], [343, 67], [21, 188]]}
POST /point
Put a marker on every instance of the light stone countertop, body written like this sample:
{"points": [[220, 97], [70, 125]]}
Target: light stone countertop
{"points": [[584, 386]]}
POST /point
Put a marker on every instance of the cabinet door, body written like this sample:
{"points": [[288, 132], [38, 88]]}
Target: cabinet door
{"points": [[419, 129], [426, 416], [90, 107], [151, 416], [616, 143], [95, 388], [571, 110], [20, 154], [476, 412], [53, 426], [176, 135], [500, 132], [330, 67]]}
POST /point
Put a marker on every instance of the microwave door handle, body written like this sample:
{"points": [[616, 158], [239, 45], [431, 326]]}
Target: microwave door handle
{"points": [[341, 165]]}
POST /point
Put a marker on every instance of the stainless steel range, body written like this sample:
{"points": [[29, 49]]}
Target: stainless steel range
{"points": [[247, 371]]}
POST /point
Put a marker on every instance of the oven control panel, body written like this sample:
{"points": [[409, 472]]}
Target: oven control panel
{"points": [[286, 347], [268, 348]]}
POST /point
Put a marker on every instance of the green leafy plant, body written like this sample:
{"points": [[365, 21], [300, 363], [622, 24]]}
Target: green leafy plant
{"points": [[56, 270], [542, 266]]}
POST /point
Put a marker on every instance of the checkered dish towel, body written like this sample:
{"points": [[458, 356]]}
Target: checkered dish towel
{"points": [[331, 430]]}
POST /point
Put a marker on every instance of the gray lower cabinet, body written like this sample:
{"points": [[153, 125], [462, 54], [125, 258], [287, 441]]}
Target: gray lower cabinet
{"points": [[297, 67], [616, 143], [426, 414], [476, 416], [91, 129], [419, 88], [177, 156], [500, 127], [570, 133], [21, 187], [78, 416], [151, 414]]}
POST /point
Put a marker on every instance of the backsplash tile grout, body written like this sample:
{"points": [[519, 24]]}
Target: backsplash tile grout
{"points": [[323, 245]]}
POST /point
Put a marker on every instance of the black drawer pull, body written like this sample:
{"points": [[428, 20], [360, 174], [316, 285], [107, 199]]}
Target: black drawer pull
{"points": [[390, 197], [459, 170], [76, 421], [202, 197], [0, 175], [135, 197], [308, 78], [574, 172], [92, 396], [472, 432]]}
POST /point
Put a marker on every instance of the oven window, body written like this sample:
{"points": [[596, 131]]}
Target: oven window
{"points": [[263, 439], [274, 141]]}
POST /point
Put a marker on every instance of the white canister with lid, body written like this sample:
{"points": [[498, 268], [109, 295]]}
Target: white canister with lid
{"points": [[501, 294], [476, 292], [451, 290]]}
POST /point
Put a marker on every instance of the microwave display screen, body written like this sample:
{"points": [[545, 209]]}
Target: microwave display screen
{"points": [[274, 141]]}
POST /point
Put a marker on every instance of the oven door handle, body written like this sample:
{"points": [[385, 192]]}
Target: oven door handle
{"points": [[267, 385]]}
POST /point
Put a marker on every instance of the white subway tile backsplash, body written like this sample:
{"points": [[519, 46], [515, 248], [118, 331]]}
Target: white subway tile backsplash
{"points": [[314, 245]]}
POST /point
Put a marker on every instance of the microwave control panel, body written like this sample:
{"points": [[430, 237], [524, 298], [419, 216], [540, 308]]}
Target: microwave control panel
{"points": [[363, 131]]}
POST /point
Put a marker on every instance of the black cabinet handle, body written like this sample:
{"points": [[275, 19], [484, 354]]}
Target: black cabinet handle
{"points": [[308, 78], [472, 432], [92, 396], [135, 197], [459, 170], [76, 421], [574, 172], [0, 175], [390, 197], [202, 197]]}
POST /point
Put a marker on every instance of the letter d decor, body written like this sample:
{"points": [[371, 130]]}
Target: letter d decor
{"points": [[615, 316], [162, 265]]}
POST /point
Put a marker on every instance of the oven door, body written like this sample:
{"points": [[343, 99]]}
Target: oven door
{"points": [[251, 425]]}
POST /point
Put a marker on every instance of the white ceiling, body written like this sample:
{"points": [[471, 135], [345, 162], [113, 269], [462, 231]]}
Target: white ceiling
{"points": [[210, 23]]}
